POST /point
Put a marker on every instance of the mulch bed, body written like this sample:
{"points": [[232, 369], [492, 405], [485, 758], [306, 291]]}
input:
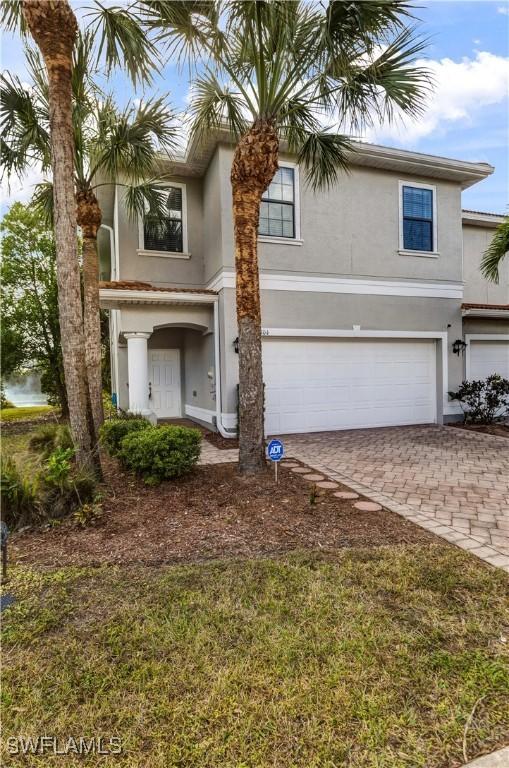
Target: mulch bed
{"points": [[500, 430], [223, 443], [213, 513]]}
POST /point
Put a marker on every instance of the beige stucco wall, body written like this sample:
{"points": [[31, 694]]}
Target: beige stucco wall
{"points": [[353, 229], [164, 270], [478, 290]]}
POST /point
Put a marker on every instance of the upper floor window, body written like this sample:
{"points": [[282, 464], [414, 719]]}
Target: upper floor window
{"points": [[168, 236], [277, 209], [418, 218]]}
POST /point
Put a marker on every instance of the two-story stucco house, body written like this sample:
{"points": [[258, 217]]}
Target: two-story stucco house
{"points": [[365, 289]]}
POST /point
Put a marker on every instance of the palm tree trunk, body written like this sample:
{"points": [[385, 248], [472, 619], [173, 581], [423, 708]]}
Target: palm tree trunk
{"points": [[89, 219], [53, 27], [254, 165]]}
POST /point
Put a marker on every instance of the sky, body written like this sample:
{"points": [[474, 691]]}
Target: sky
{"points": [[467, 116]]}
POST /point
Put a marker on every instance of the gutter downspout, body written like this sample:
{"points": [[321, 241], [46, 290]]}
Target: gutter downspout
{"points": [[113, 312], [217, 356]]}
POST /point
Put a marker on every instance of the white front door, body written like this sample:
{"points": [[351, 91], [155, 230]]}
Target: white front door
{"points": [[314, 385], [164, 382]]}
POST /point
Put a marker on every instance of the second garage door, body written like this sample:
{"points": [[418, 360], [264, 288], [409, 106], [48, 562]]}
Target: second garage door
{"points": [[315, 385], [487, 357]]}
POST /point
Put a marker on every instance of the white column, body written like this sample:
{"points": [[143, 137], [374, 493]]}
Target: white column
{"points": [[137, 372]]}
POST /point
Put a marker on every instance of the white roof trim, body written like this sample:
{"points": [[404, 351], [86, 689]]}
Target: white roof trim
{"points": [[503, 313], [477, 218], [113, 296]]}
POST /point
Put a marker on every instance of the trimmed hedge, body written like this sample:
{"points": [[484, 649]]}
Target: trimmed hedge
{"points": [[113, 432], [161, 453]]}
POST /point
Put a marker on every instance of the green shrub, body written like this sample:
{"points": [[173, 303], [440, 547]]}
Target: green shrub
{"points": [[19, 496], [49, 438], [161, 453], [113, 432], [484, 402], [63, 488], [54, 492]]}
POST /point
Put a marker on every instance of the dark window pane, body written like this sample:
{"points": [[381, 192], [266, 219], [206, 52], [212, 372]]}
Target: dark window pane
{"points": [[167, 236], [417, 203], [277, 207], [417, 235]]}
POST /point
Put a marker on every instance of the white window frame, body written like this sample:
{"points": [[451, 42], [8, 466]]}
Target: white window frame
{"points": [[142, 251], [434, 254], [296, 239]]}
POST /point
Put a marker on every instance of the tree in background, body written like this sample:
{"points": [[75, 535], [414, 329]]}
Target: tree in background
{"points": [[30, 326], [112, 146], [291, 74], [496, 252]]}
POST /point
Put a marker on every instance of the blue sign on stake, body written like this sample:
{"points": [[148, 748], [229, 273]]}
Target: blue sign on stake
{"points": [[275, 450]]}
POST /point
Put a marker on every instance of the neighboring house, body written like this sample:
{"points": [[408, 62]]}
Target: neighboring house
{"points": [[364, 290]]}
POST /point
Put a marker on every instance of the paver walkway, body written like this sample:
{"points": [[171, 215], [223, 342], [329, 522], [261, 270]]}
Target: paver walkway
{"points": [[457, 481], [450, 481]]}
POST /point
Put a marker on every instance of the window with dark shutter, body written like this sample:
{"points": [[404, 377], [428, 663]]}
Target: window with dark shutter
{"points": [[167, 236], [277, 209], [418, 219]]}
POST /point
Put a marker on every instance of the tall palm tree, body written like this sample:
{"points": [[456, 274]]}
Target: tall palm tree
{"points": [[53, 26], [295, 74], [111, 146], [496, 252]]}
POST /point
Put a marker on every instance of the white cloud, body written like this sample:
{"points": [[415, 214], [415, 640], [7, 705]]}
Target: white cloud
{"points": [[504, 9], [462, 90]]}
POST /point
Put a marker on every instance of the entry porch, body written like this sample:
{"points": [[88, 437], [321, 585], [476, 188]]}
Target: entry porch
{"points": [[164, 351]]}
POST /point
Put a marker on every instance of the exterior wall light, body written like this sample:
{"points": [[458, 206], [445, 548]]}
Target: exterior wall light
{"points": [[236, 345], [458, 346]]}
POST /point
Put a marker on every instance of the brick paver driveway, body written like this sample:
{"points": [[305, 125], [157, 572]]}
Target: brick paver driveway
{"points": [[450, 478]]}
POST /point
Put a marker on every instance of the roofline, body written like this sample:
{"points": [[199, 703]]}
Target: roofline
{"points": [[493, 313], [199, 152], [109, 296], [481, 218]]}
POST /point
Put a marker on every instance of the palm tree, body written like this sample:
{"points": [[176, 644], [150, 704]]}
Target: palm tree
{"points": [[110, 147], [53, 26], [292, 74], [496, 252]]}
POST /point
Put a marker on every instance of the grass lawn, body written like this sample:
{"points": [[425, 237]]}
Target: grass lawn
{"points": [[26, 413], [362, 658]]}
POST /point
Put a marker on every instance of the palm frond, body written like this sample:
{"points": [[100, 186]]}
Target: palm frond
{"points": [[373, 89], [147, 201], [128, 143], [324, 155], [42, 200], [214, 105], [496, 252], [185, 27], [123, 41], [12, 18], [24, 127]]}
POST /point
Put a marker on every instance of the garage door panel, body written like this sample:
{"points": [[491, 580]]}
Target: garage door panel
{"points": [[317, 384], [488, 357]]}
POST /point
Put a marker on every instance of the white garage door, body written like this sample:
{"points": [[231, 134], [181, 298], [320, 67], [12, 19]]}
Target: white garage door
{"points": [[314, 385], [487, 357]]}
